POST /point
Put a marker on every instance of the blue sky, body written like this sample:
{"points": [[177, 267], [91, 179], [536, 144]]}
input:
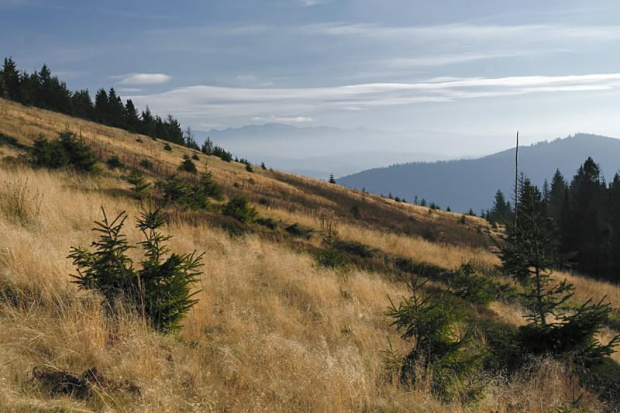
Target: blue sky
{"points": [[483, 68]]}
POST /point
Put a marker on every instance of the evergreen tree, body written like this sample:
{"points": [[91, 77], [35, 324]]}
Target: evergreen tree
{"points": [[188, 165], [207, 147], [147, 123], [116, 110], [102, 106], [529, 254], [173, 131], [30, 90], [190, 142], [45, 95], [138, 183], [160, 290], [586, 233], [613, 218], [331, 180], [131, 120], [11, 80], [82, 105], [441, 353], [501, 212]]}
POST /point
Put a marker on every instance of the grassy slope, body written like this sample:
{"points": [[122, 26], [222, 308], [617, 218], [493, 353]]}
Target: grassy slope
{"points": [[272, 332]]}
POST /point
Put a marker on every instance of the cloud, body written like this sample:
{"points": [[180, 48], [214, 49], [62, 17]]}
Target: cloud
{"points": [[222, 104], [129, 90], [461, 31], [142, 78], [283, 119]]}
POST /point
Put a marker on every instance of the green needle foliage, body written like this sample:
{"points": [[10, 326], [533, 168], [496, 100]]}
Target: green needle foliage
{"points": [[67, 151], [240, 209], [188, 165], [160, 290], [138, 183], [432, 322], [554, 328], [473, 286]]}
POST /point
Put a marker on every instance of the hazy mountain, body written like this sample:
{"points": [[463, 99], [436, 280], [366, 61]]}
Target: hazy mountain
{"points": [[472, 183], [320, 151]]}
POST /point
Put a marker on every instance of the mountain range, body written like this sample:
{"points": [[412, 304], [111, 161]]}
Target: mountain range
{"points": [[472, 183], [319, 151]]}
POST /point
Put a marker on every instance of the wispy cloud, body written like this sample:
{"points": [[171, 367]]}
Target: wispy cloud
{"points": [[129, 90], [198, 102], [142, 78], [490, 32], [283, 119]]}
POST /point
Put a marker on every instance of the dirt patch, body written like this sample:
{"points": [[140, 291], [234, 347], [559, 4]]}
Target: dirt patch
{"points": [[62, 383]]}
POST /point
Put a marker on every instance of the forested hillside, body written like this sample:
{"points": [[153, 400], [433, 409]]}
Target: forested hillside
{"points": [[472, 183]]}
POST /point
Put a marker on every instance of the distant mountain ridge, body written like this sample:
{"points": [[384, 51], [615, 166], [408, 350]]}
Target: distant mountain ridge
{"points": [[472, 183], [319, 151]]}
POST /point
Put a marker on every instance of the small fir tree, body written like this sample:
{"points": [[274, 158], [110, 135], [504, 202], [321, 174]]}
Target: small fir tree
{"points": [[160, 290], [187, 165]]}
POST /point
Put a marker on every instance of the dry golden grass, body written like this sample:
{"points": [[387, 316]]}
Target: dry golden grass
{"points": [[271, 332]]}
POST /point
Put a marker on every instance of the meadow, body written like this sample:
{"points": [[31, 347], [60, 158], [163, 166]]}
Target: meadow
{"points": [[272, 330]]}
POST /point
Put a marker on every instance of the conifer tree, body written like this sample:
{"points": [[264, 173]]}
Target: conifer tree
{"points": [[102, 106], [586, 233], [529, 254], [82, 105], [207, 147], [11, 80], [501, 212], [131, 120], [159, 291], [116, 109]]}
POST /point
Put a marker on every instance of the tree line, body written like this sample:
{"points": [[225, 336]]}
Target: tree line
{"points": [[43, 90], [585, 218]]}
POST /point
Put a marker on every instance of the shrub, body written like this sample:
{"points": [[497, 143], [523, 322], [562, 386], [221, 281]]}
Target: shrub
{"points": [[183, 193], [67, 151], [167, 147], [146, 164], [355, 211], [160, 289], [138, 183], [332, 258], [473, 286], [187, 165], [440, 355], [240, 209], [298, 231], [114, 162], [209, 188], [267, 222], [248, 167], [354, 248], [195, 156]]}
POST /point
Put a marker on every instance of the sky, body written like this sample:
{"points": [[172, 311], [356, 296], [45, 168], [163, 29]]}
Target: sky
{"points": [[481, 69]]}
